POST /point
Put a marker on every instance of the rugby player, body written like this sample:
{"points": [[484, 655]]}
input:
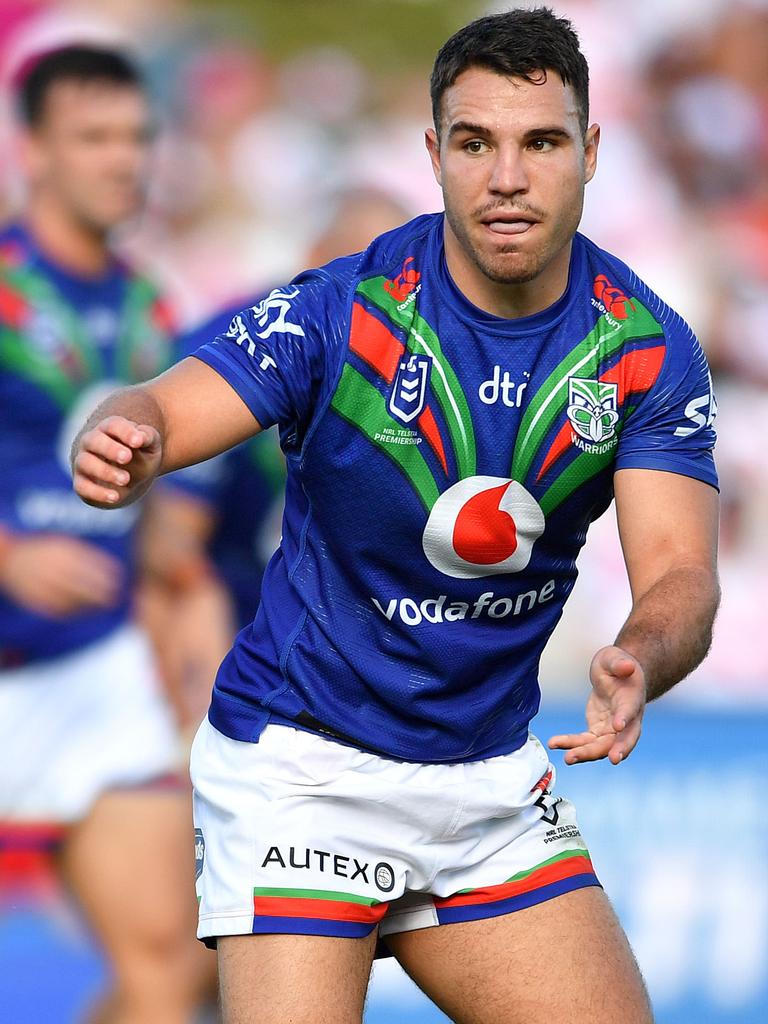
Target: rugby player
{"points": [[88, 747], [456, 405]]}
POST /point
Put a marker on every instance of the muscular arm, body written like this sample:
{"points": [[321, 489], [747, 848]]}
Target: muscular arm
{"points": [[186, 415], [668, 529]]}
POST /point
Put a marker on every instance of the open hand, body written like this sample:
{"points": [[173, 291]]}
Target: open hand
{"points": [[115, 462], [60, 576], [614, 710]]}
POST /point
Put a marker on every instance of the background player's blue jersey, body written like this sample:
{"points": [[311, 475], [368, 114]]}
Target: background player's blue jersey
{"points": [[444, 465], [241, 488], [65, 343]]}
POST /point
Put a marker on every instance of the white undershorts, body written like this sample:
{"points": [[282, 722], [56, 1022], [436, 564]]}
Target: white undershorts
{"points": [[300, 834], [73, 727]]}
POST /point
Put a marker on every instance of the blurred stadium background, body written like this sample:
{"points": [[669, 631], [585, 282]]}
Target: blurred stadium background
{"points": [[266, 109]]}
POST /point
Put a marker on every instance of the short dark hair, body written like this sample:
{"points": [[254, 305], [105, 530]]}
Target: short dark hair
{"points": [[519, 42], [78, 63]]}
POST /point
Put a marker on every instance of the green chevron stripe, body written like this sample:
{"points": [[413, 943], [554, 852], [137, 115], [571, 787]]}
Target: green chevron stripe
{"points": [[444, 382], [363, 407], [565, 855], [583, 468], [583, 361], [16, 357], [38, 292], [137, 330]]}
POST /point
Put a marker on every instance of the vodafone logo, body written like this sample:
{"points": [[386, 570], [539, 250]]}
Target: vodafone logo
{"points": [[482, 526]]}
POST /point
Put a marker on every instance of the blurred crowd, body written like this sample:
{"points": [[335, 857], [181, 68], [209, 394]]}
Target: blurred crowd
{"points": [[253, 152]]}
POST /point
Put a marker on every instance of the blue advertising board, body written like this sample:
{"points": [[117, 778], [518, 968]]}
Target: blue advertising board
{"points": [[679, 837]]}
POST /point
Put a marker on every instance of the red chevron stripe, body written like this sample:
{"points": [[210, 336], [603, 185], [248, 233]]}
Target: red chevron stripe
{"points": [[428, 426], [374, 343], [636, 371], [13, 307]]}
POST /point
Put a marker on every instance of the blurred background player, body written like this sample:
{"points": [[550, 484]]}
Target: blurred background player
{"points": [[228, 510], [88, 748]]}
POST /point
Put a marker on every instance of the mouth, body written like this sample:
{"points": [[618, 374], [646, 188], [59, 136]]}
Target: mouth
{"points": [[508, 223]]}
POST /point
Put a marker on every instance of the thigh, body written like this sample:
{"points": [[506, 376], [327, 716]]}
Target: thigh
{"points": [[304, 979], [130, 864], [566, 959]]}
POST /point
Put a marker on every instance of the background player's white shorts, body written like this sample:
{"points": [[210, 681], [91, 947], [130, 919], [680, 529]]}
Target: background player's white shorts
{"points": [[75, 726], [300, 834]]}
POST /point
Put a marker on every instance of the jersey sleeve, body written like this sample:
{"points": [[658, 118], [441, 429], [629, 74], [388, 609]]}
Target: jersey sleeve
{"points": [[274, 353], [672, 427]]}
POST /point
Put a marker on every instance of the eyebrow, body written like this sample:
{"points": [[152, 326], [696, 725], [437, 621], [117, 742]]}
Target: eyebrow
{"points": [[467, 127]]}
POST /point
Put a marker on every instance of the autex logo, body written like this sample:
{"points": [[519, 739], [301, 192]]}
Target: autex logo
{"points": [[401, 286], [325, 861], [482, 526]]}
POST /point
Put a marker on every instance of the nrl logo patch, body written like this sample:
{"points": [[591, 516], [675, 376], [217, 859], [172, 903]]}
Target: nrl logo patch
{"points": [[409, 393], [592, 408], [199, 852]]}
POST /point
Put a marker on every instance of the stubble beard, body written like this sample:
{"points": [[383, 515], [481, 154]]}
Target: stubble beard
{"points": [[498, 267]]}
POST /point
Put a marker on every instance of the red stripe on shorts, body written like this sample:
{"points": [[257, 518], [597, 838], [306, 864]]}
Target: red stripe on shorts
{"points": [[331, 910], [579, 864]]}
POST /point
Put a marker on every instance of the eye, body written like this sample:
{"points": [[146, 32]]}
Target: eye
{"points": [[476, 146], [541, 145]]}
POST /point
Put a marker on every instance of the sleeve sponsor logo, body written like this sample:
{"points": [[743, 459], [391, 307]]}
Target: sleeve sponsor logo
{"points": [[271, 316], [701, 411]]}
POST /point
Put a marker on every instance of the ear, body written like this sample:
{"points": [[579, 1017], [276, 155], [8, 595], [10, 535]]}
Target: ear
{"points": [[433, 148], [591, 144], [31, 154]]}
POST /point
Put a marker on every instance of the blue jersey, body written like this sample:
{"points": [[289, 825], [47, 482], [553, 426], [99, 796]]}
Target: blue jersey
{"points": [[444, 465], [65, 343], [241, 487]]}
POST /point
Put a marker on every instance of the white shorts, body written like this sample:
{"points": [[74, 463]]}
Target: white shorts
{"points": [[299, 834], [75, 726]]}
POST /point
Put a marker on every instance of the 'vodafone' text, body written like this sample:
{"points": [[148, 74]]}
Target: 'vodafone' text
{"points": [[441, 609]]}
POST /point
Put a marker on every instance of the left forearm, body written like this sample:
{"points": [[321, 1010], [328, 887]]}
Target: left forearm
{"points": [[669, 629]]}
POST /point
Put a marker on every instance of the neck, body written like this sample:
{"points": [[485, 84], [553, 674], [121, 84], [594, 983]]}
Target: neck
{"points": [[67, 241], [507, 299]]}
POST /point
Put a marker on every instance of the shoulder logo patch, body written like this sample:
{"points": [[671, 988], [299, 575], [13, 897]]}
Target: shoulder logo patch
{"points": [[592, 408]]}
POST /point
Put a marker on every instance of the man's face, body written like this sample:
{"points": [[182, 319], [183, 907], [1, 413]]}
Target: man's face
{"points": [[89, 151], [512, 163]]}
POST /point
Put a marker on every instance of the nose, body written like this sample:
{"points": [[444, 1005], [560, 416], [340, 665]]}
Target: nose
{"points": [[509, 174]]}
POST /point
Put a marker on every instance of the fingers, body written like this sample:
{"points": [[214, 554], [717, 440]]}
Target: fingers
{"points": [[584, 746], [625, 740], [628, 705], [614, 662], [98, 468], [588, 746], [134, 435], [98, 578]]}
